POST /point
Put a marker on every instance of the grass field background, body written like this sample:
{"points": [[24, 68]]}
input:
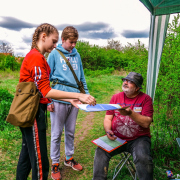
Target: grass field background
{"points": [[89, 126]]}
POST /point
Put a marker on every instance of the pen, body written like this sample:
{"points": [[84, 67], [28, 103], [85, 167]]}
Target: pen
{"points": [[109, 134]]}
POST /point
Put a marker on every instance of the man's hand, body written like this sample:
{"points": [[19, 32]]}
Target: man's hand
{"points": [[125, 112], [50, 107], [141, 120], [110, 135], [74, 102]]}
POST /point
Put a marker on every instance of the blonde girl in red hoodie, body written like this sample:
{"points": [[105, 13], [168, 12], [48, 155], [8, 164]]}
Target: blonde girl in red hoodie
{"points": [[35, 69]]}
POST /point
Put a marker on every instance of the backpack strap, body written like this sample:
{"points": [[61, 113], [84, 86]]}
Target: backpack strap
{"points": [[80, 84]]}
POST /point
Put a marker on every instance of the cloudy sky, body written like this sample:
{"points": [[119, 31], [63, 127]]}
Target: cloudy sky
{"points": [[97, 21]]}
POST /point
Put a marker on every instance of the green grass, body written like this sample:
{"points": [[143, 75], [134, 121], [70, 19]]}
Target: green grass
{"points": [[102, 88], [9, 80], [10, 137]]}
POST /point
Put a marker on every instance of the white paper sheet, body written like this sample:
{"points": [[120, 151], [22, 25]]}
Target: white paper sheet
{"points": [[99, 107]]}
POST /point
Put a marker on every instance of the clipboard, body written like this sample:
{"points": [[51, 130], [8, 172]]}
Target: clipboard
{"points": [[108, 145]]}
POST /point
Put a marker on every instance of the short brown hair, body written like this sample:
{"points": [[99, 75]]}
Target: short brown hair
{"points": [[69, 32], [47, 28]]}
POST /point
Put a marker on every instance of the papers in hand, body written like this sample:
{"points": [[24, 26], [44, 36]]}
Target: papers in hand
{"points": [[100, 107], [108, 145]]}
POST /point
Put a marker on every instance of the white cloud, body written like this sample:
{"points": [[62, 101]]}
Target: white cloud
{"points": [[118, 15]]}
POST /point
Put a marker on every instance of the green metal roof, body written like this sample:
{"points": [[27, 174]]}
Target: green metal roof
{"points": [[161, 7]]}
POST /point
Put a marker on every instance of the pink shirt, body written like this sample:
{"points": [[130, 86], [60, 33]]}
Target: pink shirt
{"points": [[123, 126]]}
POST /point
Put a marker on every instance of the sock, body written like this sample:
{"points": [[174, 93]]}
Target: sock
{"points": [[68, 157]]}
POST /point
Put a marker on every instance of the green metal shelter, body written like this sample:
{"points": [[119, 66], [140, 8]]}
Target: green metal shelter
{"points": [[160, 12]]}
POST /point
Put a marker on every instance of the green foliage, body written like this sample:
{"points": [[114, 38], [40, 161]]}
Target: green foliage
{"points": [[5, 95], [5, 103], [98, 65], [97, 58], [166, 126], [9, 62]]}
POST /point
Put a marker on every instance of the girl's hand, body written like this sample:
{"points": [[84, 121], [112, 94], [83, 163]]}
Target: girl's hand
{"points": [[50, 107], [87, 99], [74, 102]]}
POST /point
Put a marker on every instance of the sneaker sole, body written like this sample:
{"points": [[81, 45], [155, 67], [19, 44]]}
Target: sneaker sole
{"points": [[54, 179], [71, 166]]}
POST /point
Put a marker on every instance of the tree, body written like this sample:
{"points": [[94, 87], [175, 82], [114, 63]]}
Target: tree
{"points": [[112, 44], [6, 48]]}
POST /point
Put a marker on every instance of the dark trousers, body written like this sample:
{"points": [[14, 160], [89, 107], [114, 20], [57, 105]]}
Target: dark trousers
{"points": [[139, 148], [34, 149]]}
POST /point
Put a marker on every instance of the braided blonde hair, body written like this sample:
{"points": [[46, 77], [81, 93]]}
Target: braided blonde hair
{"points": [[69, 32], [46, 28]]}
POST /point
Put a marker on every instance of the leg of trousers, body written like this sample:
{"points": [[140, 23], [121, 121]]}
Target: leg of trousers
{"points": [[34, 149], [64, 115], [140, 150]]}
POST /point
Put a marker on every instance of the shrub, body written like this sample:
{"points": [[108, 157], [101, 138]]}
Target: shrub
{"points": [[9, 62], [5, 103], [99, 58]]}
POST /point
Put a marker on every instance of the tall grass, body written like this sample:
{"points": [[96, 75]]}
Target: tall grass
{"points": [[102, 88]]}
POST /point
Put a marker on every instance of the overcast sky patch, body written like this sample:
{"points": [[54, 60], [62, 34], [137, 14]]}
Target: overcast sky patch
{"points": [[27, 40], [98, 35], [4, 41], [86, 26], [95, 24], [135, 34], [12, 23]]}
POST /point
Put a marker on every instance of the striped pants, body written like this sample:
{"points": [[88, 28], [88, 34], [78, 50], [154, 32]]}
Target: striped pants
{"points": [[34, 149]]}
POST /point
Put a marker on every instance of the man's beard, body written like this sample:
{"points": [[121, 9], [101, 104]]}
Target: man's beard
{"points": [[128, 91]]}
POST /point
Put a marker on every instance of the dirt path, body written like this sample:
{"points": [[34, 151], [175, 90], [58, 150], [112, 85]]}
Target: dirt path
{"points": [[86, 124]]}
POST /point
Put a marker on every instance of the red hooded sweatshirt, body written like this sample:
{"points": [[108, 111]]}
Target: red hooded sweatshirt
{"points": [[35, 69]]}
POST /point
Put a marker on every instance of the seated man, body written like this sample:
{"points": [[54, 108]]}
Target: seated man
{"points": [[131, 124]]}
